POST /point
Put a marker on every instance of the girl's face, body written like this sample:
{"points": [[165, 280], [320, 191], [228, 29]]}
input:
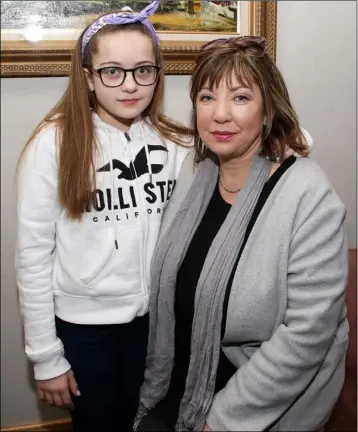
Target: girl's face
{"points": [[118, 106]]}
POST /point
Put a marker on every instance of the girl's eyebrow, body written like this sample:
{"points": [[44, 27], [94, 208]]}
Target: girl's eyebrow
{"points": [[119, 64], [144, 62]]}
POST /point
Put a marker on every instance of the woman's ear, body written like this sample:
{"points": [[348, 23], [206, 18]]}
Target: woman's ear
{"points": [[89, 79], [268, 118]]}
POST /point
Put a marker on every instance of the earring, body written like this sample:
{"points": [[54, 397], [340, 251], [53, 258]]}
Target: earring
{"points": [[202, 148]]}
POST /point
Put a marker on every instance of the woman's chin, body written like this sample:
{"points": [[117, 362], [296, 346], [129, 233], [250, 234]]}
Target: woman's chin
{"points": [[224, 152]]}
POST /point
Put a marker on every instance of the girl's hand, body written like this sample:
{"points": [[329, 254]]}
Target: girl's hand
{"points": [[206, 428], [56, 391]]}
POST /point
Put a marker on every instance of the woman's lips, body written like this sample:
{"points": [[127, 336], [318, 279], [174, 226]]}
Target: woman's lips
{"points": [[222, 136]]}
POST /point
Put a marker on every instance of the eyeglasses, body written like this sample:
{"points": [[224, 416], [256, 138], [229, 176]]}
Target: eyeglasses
{"points": [[241, 42], [114, 76]]}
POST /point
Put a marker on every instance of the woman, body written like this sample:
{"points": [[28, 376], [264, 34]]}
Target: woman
{"points": [[248, 326]]}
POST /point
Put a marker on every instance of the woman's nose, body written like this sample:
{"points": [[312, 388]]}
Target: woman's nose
{"points": [[222, 113]]}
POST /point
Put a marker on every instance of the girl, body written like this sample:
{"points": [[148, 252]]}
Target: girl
{"points": [[93, 181]]}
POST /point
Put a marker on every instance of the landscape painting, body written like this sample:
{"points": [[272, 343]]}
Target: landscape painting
{"points": [[38, 37], [171, 15]]}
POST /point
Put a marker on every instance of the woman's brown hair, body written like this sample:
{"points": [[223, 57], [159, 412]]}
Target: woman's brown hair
{"points": [[246, 59], [75, 138]]}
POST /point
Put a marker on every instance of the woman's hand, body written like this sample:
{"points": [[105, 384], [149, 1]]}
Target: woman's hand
{"points": [[206, 428], [56, 391]]}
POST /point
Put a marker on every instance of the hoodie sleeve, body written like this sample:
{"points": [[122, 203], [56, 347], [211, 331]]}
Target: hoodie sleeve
{"points": [[308, 138], [37, 212], [309, 141]]}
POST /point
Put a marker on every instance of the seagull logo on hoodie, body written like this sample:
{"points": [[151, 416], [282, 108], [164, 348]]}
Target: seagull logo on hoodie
{"points": [[136, 168]]}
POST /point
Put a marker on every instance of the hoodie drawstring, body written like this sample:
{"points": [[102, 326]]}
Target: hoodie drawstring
{"points": [[147, 153], [144, 218], [114, 224]]}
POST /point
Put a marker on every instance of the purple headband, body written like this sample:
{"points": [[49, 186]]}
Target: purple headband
{"points": [[122, 18]]}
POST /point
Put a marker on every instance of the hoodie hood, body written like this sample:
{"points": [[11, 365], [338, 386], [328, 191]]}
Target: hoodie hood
{"points": [[101, 125]]}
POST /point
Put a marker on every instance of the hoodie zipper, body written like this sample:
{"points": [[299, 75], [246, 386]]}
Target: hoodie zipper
{"points": [[144, 219], [137, 183]]}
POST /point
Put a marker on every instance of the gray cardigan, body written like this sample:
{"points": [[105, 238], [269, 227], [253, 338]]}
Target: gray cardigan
{"points": [[286, 329]]}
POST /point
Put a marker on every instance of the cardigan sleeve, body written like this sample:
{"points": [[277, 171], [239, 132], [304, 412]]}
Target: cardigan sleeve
{"points": [[281, 369]]}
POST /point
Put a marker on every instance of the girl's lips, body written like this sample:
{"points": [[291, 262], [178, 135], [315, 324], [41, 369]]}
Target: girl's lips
{"points": [[129, 101], [222, 136]]}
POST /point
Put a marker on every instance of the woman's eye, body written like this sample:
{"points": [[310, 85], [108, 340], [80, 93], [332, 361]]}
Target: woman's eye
{"points": [[205, 98], [241, 98]]}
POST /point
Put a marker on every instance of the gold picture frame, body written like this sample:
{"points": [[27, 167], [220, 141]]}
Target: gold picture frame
{"points": [[21, 58]]}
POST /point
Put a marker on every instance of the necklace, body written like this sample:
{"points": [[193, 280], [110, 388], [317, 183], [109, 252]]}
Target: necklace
{"points": [[228, 190]]}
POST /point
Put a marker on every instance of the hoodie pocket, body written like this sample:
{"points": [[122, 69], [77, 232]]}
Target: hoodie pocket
{"points": [[99, 252], [82, 257], [87, 262], [119, 271]]}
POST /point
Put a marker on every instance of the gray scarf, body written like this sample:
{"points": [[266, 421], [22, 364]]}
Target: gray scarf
{"points": [[206, 329]]}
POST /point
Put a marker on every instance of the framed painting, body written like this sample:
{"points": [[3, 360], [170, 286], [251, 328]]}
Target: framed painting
{"points": [[38, 37]]}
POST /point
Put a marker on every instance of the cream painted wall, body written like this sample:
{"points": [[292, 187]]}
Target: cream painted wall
{"points": [[316, 51]]}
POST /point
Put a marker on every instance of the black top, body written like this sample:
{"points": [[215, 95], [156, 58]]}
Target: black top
{"points": [[187, 279]]}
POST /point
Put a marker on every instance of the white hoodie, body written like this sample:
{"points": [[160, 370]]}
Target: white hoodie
{"points": [[95, 271]]}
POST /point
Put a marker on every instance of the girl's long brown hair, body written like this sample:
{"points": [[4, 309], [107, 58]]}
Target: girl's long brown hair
{"points": [[75, 134], [249, 63]]}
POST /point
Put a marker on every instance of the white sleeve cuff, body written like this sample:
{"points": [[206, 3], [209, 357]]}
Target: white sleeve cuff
{"points": [[52, 367]]}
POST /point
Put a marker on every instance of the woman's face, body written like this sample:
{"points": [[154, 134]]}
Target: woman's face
{"points": [[230, 118]]}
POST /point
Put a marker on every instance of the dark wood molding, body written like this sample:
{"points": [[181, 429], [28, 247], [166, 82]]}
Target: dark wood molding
{"points": [[48, 426]]}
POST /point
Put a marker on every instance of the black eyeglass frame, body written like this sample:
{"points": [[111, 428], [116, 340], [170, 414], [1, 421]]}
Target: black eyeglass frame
{"points": [[100, 70]]}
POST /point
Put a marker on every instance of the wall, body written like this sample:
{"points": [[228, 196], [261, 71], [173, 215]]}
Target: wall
{"points": [[316, 51]]}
